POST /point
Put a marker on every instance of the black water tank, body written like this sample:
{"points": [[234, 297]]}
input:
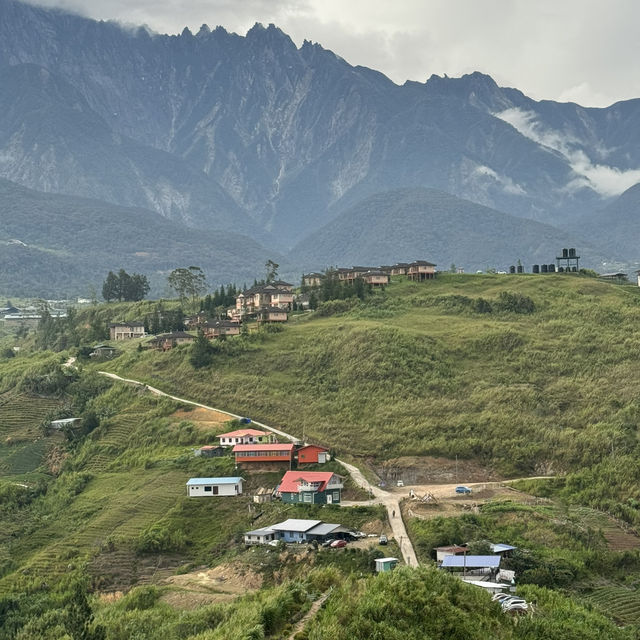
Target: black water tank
{"points": [[544, 268], [572, 253], [536, 268], [552, 268], [565, 253], [574, 269], [520, 269], [560, 269], [512, 269]]}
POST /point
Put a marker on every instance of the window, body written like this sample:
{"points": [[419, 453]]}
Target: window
{"points": [[307, 497], [336, 495], [208, 489]]}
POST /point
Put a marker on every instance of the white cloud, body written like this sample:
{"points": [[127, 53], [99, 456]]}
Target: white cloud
{"points": [[606, 180], [507, 184]]}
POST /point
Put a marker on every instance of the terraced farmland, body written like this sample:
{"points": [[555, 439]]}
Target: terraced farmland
{"points": [[20, 415], [618, 535], [620, 603], [113, 507], [22, 446]]}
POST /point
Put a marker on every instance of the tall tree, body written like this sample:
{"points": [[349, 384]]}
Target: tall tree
{"points": [[123, 286], [110, 287], [188, 283], [272, 270]]}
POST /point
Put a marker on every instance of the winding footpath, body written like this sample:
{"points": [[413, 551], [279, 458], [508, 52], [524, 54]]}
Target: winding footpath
{"points": [[385, 498]]}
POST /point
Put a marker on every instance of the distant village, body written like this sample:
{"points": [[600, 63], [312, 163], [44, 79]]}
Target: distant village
{"points": [[270, 302]]}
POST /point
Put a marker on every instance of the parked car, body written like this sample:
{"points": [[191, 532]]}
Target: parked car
{"points": [[463, 489], [499, 597], [383, 539], [400, 483], [510, 602], [329, 542], [358, 534], [338, 544]]}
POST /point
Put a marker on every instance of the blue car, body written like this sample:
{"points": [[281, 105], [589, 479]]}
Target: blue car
{"points": [[463, 489]]}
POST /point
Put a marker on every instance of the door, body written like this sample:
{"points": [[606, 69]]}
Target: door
{"points": [[329, 498]]}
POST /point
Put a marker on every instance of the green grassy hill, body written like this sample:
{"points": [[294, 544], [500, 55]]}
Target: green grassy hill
{"points": [[421, 369], [516, 376]]}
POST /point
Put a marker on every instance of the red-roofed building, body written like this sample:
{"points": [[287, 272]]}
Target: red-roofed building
{"points": [[313, 454], [263, 453], [311, 487], [245, 436]]}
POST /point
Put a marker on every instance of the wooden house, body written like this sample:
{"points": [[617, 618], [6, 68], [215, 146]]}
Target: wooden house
{"points": [[126, 330], [245, 436], [312, 279], [263, 495], [209, 487], [313, 454], [399, 269], [311, 487], [421, 270], [281, 284], [218, 328], [376, 278], [167, 341], [272, 314], [103, 352]]}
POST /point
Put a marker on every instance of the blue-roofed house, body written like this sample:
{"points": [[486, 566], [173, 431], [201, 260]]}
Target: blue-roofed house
{"points": [[205, 487], [477, 564]]}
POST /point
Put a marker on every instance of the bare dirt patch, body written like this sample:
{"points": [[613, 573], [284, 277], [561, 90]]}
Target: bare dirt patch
{"points": [[427, 470], [204, 419], [222, 583]]}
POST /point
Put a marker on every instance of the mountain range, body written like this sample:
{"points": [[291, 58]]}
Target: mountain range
{"points": [[253, 135]]}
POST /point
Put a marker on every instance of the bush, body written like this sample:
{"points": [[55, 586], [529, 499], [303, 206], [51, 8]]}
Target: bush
{"points": [[515, 303], [158, 538]]}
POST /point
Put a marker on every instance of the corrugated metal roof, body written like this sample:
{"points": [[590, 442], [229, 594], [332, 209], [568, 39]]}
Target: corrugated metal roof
{"points": [[242, 432], [501, 548], [263, 447], [265, 531], [293, 524], [325, 528], [471, 562], [198, 481]]}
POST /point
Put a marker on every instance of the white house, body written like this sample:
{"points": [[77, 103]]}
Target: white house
{"points": [[260, 536], [198, 487]]}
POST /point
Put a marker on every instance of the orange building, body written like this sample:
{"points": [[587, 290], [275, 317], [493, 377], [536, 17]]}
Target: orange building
{"points": [[312, 454], [261, 453]]}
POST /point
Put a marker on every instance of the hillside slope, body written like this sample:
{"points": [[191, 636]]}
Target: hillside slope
{"points": [[54, 245], [409, 224], [617, 225]]}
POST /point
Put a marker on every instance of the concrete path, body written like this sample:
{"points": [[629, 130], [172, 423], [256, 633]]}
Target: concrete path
{"points": [[390, 501], [392, 504]]}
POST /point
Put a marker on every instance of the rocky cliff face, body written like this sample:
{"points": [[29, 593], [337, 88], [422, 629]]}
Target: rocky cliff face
{"points": [[257, 135]]}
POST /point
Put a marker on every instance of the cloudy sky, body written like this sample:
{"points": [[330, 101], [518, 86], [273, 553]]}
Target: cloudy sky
{"points": [[580, 50]]}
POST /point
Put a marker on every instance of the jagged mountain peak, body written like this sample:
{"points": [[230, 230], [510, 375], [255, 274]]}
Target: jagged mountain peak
{"points": [[288, 138]]}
